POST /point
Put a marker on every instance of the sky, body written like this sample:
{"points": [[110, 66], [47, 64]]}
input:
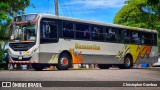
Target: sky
{"points": [[95, 10]]}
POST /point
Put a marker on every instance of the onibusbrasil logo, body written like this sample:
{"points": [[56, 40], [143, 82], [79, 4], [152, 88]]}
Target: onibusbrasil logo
{"points": [[21, 84]]}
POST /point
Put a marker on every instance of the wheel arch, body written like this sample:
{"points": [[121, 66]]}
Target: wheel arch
{"points": [[130, 55]]}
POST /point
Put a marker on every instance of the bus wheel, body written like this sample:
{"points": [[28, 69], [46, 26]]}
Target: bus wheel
{"points": [[103, 66], [38, 67], [127, 63], [64, 61]]}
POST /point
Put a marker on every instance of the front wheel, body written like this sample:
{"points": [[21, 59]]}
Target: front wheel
{"points": [[38, 67], [127, 63], [64, 62]]}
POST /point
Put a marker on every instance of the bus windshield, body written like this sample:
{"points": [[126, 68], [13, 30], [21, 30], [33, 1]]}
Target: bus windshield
{"points": [[24, 32]]}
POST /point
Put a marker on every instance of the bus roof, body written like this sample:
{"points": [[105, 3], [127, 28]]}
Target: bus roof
{"points": [[94, 22]]}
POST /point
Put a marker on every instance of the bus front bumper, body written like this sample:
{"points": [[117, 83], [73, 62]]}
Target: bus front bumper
{"points": [[22, 62]]}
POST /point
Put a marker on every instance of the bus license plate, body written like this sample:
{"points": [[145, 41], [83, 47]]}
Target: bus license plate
{"points": [[20, 58]]}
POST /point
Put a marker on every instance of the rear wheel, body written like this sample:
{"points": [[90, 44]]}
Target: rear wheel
{"points": [[103, 66], [38, 67], [64, 61], [127, 63]]}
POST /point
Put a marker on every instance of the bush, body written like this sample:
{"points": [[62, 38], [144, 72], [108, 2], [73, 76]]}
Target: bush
{"points": [[4, 62]]}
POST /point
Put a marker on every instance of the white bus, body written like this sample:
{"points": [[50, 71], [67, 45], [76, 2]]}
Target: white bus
{"points": [[43, 40]]}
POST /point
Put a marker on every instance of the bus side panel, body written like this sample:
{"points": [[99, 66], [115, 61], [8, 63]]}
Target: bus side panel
{"points": [[139, 53], [81, 51], [101, 59], [35, 57], [150, 58], [50, 58]]}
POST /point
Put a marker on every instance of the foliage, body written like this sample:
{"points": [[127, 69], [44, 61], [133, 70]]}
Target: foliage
{"points": [[140, 13], [9, 9], [2, 51]]}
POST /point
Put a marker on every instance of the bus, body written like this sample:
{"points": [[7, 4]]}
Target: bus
{"points": [[43, 40]]}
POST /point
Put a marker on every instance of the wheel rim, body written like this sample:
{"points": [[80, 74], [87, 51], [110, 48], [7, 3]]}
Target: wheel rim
{"points": [[127, 62], [64, 61]]}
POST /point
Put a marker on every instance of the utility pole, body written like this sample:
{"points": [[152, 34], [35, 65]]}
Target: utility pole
{"points": [[56, 7]]}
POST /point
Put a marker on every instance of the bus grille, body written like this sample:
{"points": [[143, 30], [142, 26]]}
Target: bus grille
{"points": [[23, 46], [24, 59]]}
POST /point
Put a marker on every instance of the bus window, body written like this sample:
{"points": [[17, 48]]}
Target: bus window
{"points": [[147, 38], [109, 34], [97, 33], [48, 32], [135, 37], [82, 31], [68, 30], [125, 36], [155, 39]]}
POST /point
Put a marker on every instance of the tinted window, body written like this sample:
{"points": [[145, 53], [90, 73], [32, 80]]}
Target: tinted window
{"points": [[68, 30], [82, 31], [147, 38], [155, 39], [110, 34], [125, 36], [48, 31], [97, 33], [135, 37]]}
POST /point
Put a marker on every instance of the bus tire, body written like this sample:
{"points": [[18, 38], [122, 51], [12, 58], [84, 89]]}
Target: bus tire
{"points": [[64, 62], [103, 66], [38, 67], [128, 63]]}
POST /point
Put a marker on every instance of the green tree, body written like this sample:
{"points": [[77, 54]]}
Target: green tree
{"points": [[8, 9], [140, 13]]}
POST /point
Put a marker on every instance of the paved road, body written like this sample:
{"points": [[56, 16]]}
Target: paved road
{"points": [[112, 74]]}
